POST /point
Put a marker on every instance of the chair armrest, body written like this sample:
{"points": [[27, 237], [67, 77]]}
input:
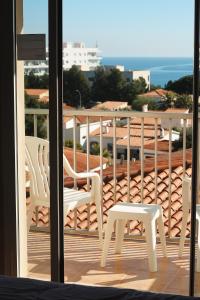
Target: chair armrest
{"points": [[87, 175]]}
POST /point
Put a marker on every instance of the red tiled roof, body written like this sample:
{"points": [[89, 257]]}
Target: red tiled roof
{"points": [[147, 121], [36, 92], [149, 196], [122, 132], [110, 105], [81, 160], [158, 93], [83, 119], [177, 110], [161, 145], [66, 106]]}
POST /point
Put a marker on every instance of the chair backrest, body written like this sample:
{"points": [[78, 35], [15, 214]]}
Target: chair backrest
{"points": [[186, 193], [37, 158]]}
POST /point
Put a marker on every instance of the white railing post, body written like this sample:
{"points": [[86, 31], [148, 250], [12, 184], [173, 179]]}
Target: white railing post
{"points": [[142, 160], [170, 175], [35, 125], [101, 157], [114, 157], [184, 146], [156, 159], [88, 169], [47, 122], [75, 166]]}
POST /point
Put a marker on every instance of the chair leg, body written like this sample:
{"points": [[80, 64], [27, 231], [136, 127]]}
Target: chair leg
{"points": [[150, 228], [29, 216], [198, 248], [161, 229], [120, 226], [183, 232], [100, 223], [108, 235]]}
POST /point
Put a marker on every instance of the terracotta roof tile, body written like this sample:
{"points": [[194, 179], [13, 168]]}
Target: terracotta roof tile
{"points": [[110, 105], [177, 110]]}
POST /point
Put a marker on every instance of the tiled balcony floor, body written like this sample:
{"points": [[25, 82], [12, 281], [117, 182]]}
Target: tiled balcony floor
{"points": [[128, 270]]}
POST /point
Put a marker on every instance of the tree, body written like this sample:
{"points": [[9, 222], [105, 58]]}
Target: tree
{"points": [[169, 101], [134, 88], [107, 85], [154, 87], [184, 101], [32, 102], [178, 145], [139, 85], [33, 81], [138, 103], [95, 150], [184, 85], [111, 85], [74, 80]]}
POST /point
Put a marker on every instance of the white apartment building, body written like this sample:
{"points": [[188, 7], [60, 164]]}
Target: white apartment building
{"points": [[77, 54]]}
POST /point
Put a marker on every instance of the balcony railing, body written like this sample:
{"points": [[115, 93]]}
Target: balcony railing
{"points": [[142, 165]]}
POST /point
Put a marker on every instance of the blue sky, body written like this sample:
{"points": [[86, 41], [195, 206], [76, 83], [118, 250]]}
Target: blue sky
{"points": [[122, 27]]}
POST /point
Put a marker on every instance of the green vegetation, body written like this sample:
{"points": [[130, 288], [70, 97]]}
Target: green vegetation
{"points": [[184, 101], [106, 85], [171, 100], [153, 104], [32, 102], [95, 150], [184, 85], [33, 81], [178, 145], [154, 87], [70, 144], [111, 85], [178, 101], [74, 80]]}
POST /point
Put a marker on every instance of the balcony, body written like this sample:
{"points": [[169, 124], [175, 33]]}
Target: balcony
{"points": [[141, 166]]}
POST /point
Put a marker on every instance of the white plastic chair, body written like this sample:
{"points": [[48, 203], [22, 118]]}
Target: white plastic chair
{"points": [[149, 214], [186, 196], [37, 157]]}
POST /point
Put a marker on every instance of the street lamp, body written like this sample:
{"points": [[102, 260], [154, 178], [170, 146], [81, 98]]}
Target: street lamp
{"points": [[79, 97]]}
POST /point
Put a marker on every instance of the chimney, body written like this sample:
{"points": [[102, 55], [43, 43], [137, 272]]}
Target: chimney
{"points": [[145, 108], [121, 159], [105, 129], [162, 132]]}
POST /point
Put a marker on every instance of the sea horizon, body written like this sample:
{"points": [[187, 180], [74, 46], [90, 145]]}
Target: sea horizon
{"points": [[163, 69]]}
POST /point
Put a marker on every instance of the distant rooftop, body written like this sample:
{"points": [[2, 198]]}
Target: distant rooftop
{"points": [[111, 105]]}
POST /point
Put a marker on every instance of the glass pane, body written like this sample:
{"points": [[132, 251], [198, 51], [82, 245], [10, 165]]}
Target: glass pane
{"points": [[197, 248], [37, 126], [108, 47], [131, 124]]}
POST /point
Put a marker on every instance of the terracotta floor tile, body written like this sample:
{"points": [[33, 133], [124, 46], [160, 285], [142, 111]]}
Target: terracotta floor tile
{"points": [[127, 270]]}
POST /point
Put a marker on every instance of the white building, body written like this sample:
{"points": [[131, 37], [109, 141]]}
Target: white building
{"points": [[73, 54], [77, 54], [128, 75], [178, 123], [136, 74], [82, 128]]}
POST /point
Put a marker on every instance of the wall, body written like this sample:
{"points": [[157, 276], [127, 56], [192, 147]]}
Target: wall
{"points": [[21, 153]]}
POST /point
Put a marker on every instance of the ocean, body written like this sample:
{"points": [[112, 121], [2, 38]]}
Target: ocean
{"points": [[162, 69]]}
